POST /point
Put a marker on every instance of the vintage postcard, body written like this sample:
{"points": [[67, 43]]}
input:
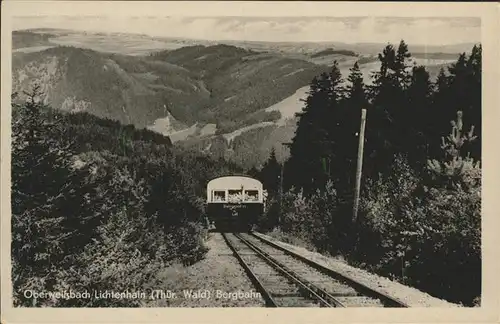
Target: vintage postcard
{"points": [[247, 162]]}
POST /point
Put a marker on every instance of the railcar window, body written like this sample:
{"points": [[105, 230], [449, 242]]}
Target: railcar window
{"points": [[251, 195], [235, 196], [218, 195]]}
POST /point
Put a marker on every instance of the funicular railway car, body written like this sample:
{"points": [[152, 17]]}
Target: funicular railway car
{"points": [[234, 203]]}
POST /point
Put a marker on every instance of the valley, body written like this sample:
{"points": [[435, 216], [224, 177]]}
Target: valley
{"points": [[230, 99]]}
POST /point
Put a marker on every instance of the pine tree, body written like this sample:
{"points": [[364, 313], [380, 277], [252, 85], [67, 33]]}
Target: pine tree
{"points": [[253, 172], [270, 174], [401, 65], [441, 81], [333, 122], [460, 90], [49, 194], [416, 117], [388, 98], [474, 65], [304, 163], [313, 148], [355, 101], [356, 88], [457, 167]]}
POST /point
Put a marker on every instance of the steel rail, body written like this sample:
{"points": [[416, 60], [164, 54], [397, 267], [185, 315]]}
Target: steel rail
{"points": [[325, 298], [265, 294], [387, 300]]}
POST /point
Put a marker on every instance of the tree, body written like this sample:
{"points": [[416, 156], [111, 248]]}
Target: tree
{"points": [[416, 117], [459, 90], [253, 172], [346, 150], [312, 151], [465, 91], [303, 164], [386, 131], [356, 88], [50, 219], [270, 174], [458, 168]]}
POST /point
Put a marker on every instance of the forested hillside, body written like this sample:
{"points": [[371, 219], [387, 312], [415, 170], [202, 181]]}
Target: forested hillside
{"points": [[99, 204], [219, 84], [251, 145], [420, 211], [189, 93], [129, 89], [241, 82]]}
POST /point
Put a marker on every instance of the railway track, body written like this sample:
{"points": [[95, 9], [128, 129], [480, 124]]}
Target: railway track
{"points": [[286, 279]]}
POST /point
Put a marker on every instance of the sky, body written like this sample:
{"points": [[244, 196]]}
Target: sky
{"points": [[424, 31]]}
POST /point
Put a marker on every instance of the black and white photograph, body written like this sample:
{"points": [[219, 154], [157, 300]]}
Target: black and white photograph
{"points": [[161, 160]]}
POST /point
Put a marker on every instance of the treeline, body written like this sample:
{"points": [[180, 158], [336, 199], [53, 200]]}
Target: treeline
{"points": [[23, 38], [331, 51], [99, 206], [420, 210]]}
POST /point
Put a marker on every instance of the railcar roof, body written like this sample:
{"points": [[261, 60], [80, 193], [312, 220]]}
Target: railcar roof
{"points": [[242, 175], [234, 181]]}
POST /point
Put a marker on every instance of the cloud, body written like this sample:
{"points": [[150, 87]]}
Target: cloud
{"points": [[430, 31]]}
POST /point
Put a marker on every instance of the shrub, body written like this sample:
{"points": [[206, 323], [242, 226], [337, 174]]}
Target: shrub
{"points": [[427, 232], [97, 217], [383, 219], [311, 220]]}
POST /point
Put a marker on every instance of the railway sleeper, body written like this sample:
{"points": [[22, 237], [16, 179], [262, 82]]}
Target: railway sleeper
{"points": [[295, 301], [383, 299], [306, 287], [360, 301]]}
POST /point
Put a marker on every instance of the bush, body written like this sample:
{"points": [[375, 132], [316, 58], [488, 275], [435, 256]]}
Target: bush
{"points": [[383, 219], [427, 232], [446, 258], [311, 220], [98, 217], [279, 235]]}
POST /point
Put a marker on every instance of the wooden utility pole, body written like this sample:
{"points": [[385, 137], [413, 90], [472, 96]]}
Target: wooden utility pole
{"points": [[281, 192], [359, 166]]}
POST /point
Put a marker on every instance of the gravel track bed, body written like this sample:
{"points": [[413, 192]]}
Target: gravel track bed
{"points": [[352, 297], [283, 292], [219, 271], [411, 296]]}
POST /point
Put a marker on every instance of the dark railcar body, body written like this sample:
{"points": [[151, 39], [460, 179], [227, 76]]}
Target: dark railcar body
{"points": [[234, 217]]}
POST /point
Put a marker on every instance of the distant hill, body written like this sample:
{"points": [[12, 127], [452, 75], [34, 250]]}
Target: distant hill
{"points": [[21, 39], [222, 85], [242, 83], [140, 44], [128, 44], [330, 51], [127, 89]]}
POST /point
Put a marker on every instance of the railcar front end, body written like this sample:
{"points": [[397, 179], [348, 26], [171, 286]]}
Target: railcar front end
{"points": [[234, 203]]}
